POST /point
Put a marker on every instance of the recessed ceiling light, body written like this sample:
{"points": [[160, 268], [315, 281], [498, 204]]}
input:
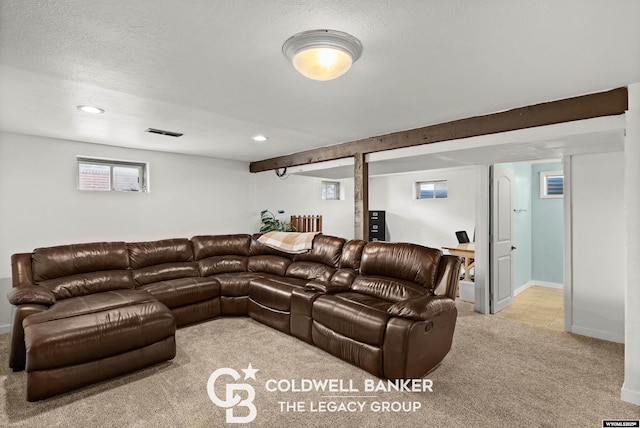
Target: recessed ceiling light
{"points": [[259, 138], [90, 109]]}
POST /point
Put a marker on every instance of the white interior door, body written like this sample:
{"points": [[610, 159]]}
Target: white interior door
{"points": [[501, 234]]}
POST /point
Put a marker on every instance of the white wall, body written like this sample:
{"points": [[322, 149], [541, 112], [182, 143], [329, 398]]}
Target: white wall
{"points": [[598, 236], [430, 222], [40, 205], [301, 195], [631, 386]]}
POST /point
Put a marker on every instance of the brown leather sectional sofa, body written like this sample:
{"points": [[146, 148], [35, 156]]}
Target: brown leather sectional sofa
{"points": [[89, 312]]}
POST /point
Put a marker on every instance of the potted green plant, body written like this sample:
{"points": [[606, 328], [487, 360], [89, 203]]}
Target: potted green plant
{"points": [[271, 223]]}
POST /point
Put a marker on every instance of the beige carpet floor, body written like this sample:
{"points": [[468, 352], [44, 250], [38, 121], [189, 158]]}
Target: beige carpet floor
{"points": [[500, 372]]}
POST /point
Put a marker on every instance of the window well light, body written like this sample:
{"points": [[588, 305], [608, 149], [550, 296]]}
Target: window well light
{"points": [[322, 54], [259, 138], [90, 109]]}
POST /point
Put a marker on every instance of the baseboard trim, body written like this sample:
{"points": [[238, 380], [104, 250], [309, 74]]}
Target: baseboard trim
{"points": [[538, 284], [522, 288], [598, 334], [548, 284], [4, 329], [630, 396]]}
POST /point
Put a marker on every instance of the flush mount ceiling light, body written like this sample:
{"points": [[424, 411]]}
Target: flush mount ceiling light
{"points": [[259, 138], [90, 109], [322, 54]]}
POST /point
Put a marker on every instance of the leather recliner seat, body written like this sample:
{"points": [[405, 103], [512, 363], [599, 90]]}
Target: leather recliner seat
{"points": [[364, 323]]}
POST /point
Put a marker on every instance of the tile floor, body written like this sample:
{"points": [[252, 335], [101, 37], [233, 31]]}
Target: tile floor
{"points": [[540, 306]]}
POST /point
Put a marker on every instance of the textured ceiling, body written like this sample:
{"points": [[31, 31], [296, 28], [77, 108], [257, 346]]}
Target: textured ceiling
{"points": [[214, 70]]}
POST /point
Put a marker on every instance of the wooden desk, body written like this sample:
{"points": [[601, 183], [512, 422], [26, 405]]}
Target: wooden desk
{"points": [[467, 252]]}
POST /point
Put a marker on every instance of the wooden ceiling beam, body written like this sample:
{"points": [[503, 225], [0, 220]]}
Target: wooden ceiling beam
{"points": [[609, 103]]}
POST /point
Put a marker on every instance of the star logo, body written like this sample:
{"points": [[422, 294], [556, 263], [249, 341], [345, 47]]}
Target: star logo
{"points": [[250, 372]]}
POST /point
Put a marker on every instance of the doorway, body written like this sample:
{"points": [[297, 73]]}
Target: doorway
{"points": [[537, 256]]}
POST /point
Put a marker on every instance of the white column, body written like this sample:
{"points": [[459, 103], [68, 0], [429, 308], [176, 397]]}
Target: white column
{"points": [[631, 386]]}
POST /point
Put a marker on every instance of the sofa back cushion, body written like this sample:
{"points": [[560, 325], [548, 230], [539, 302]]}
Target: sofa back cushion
{"points": [[144, 254], [326, 250], [216, 254], [352, 254], [81, 269], [65, 260], [163, 260], [408, 262], [222, 264], [386, 288], [319, 263], [220, 245]]}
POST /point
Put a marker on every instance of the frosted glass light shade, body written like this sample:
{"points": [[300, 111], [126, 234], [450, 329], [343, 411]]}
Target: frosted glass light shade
{"points": [[322, 54], [322, 63]]}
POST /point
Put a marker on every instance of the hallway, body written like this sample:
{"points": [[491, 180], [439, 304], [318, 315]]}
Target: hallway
{"points": [[539, 306]]}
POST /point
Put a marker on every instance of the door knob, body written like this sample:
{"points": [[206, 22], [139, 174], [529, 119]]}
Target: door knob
{"points": [[513, 248]]}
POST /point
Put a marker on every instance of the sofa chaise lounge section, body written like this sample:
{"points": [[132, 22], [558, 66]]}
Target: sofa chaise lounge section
{"points": [[79, 319]]}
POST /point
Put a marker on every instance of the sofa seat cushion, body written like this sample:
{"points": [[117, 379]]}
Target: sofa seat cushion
{"points": [[86, 331], [361, 318], [274, 293], [184, 291], [366, 300], [235, 284]]}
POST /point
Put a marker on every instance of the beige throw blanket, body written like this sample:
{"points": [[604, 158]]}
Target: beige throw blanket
{"points": [[289, 242]]}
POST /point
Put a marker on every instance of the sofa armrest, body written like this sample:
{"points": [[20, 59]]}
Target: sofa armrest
{"points": [[326, 287], [422, 308], [21, 273], [448, 276], [18, 351], [32, 294]]}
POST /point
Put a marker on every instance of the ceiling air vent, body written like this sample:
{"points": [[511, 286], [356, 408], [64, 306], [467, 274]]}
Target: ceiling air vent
{"points": [[161, 132]]}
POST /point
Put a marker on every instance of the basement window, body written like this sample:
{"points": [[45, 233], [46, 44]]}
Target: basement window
{"points": [[110, 175], [551, 184], [431, 189], [331, 190]]}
